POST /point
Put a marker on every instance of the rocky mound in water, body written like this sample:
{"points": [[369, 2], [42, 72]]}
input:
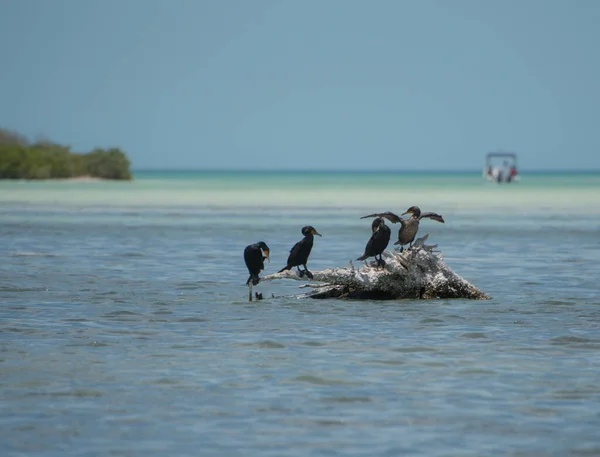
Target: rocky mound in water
{"points": [[418, 272]]}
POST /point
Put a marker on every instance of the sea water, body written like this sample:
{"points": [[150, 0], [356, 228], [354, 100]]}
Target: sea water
{"points": [[125, 326]]}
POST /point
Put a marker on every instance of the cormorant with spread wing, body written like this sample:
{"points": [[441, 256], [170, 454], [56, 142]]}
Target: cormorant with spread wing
{"points": [[300, 252], [255, 261], [378, 241], [410, 226]]}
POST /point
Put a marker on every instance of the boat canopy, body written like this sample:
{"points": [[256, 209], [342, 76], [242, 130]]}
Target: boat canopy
{"points": [[501, 155]]}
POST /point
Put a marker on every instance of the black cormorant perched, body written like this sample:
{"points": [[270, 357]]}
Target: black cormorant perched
{"points": [[255, 261], [410, 226], [378, 241], [300, 252]]}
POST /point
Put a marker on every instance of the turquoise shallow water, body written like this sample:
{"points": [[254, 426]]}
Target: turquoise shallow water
{"points": [[575, 192], [124, 325]]}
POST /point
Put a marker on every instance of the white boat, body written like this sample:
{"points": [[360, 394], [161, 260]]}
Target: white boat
{"points": [[501, 167]]}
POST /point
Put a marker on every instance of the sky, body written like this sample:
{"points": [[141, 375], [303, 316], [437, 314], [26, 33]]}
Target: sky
{"points": [[311, 84]]}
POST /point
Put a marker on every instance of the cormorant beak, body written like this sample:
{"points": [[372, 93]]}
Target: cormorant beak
{"points": [[314, 232], [374, 229], [266, 251], [406, 212]]}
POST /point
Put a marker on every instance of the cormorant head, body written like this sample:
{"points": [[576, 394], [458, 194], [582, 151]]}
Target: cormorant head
{"points": [[265, 249], [414, 210], [309, 230], [377, 222]]}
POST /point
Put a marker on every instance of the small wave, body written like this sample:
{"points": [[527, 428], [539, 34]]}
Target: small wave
{"points": [[384, 362], [165, 381], [274, 409], [110, 292], [330, 422], [576, 260], [193, 319], [73, 393], [539, 411], [593, 451], [575, 394], [572, 339], [131, 332], [122, 316], [559, 303], [324, 381], [433, 364], [414, 349], [576, 342], [267, 344], [22, 289], [27, 331], [472, 371], [94, 344], [121, 313], [349, 399], [191, 285], [474, 335], [131, 254], [31, 254]]}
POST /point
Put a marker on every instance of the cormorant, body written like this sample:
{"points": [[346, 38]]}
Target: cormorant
{"points": [[410, 226], [300, 252], [255, 261], [378, 241]]}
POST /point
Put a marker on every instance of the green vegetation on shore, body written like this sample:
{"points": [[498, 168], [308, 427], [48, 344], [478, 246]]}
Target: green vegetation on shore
{"points": [[20, 159]]}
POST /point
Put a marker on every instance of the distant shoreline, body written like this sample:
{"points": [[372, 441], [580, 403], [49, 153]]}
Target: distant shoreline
{"points": [[45, 160], [86, 178]]}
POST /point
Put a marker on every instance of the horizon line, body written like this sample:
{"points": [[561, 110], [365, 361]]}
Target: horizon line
{"points": [[332, 170]]}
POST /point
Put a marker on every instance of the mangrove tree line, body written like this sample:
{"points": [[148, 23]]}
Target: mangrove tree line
{"points": [[22, 159]]}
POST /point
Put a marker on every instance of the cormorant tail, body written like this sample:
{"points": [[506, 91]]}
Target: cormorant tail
{"points": [[287, 267], [363, 257], [254, 278]]}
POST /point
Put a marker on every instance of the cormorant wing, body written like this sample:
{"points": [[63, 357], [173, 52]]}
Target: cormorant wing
{"points": [[369, 247], [378, 242], [253, 258], [388, 215], [434, 216], [295, 248]]}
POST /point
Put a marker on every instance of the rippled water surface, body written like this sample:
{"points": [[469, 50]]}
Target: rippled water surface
{"points": [[125, 327]]}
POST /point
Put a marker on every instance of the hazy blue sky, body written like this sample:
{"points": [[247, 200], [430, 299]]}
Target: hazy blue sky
{"points": [[319, 84]]}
